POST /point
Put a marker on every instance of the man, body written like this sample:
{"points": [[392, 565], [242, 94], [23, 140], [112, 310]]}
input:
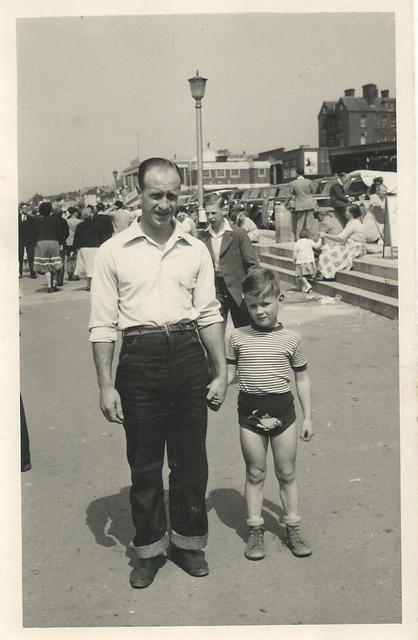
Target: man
{"points": [[233, 255], [155, 283], [121, 217], [103, 221], [302, 190], [185, 223], [338, 197], [27, 238]]}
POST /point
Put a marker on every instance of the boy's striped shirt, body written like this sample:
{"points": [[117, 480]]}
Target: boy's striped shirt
{"points": [[265, 359]]}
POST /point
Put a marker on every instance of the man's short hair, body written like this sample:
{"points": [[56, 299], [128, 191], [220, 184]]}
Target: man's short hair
{"points": [[100, 206], [261, 282], [150, 163], [118, 204], [343, 174], [300, 172], [217, 199]]}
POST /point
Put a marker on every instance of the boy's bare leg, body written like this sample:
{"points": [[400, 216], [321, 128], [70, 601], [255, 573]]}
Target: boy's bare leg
{"points": [[284, 448], [254, 450]]}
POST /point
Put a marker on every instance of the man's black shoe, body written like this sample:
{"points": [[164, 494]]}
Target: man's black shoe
{"points": [[33, 275], [143, 575], [190, 560]]}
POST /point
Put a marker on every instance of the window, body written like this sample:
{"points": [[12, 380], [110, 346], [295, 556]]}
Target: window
{"points": [[261, 173], [363, 120], [206, 173], [234, 173], [363, 138], [220, 173]]}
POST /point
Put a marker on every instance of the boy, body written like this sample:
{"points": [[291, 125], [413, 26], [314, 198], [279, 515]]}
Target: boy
{"points": [[264, 354]]}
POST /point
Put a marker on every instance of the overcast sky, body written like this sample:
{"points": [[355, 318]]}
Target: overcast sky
{"points": [[90, 90]]}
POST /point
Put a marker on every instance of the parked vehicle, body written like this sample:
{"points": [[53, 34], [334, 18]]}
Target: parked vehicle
{"points": [[255, 202]]}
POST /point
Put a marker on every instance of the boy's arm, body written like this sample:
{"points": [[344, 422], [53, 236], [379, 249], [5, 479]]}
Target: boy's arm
{"points": [[303, 388], [232, 370]]}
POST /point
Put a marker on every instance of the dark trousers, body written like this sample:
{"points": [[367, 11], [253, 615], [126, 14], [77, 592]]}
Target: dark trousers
{"points": [[303, 220], [162, 378], [239, 313], [30, 252], [24, 438]]}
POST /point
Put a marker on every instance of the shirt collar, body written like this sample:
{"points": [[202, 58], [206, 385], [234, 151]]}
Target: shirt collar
{"points": [[135, 231], [226, 227]]}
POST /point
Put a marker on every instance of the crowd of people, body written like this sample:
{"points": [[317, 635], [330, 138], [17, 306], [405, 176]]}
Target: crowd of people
{"points": [[56, 242]]}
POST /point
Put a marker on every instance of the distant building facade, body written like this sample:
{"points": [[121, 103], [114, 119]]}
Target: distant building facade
{"points": [[313, 161], [352, 121], [221, 170]]}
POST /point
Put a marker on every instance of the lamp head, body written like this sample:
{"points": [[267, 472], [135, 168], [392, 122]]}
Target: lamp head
{"points": [[197, 86]]}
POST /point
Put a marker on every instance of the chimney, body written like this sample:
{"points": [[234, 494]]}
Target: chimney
{"points": [[370, 92], [349, 92], [384, 94]]}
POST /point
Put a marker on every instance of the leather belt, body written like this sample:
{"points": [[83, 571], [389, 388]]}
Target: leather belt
{"points": [[142, 330]]}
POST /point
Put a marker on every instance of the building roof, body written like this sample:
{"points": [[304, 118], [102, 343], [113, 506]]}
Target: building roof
{"points": [[330, 104], [352, 103]]}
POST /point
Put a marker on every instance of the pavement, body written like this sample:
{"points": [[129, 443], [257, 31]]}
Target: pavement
{"points": [[76, 518]]}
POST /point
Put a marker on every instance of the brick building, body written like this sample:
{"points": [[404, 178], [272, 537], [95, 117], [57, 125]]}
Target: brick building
{"points": [[313, 161], [352, 121], [221, 170]]}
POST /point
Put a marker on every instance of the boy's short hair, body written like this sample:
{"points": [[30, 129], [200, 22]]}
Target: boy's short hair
{"points": [[261, 282], [304, 233]]}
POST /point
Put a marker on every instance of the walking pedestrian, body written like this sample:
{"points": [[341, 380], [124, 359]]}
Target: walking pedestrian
{"points": [[104, 221], [155, 283], [233, 255], [87, 240], [302, 191], [73, 221], [48, 234], [27, 238], [264, 355]]}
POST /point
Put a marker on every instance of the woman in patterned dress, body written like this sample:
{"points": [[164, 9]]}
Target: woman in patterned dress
{"points": [[338, 254]]}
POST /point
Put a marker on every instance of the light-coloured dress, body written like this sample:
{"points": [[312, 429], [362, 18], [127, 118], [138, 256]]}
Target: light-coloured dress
{"points": [[339, 257]]}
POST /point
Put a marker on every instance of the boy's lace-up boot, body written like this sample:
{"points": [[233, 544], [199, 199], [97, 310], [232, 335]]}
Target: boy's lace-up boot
{"points": [[295, 542], [255, 543]]}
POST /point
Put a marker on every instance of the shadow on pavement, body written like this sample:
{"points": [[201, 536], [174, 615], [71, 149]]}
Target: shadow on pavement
{"points": [[230, 508], [109, 518]]}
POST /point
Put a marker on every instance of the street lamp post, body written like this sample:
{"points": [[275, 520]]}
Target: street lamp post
{"points": [[115, 178], [197, 88]]}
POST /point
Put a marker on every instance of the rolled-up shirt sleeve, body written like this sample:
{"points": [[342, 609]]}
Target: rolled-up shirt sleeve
{"points": [[204, 295], [103, 323]]}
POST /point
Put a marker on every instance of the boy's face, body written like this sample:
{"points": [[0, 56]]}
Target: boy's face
{"points": [[263, 309]]}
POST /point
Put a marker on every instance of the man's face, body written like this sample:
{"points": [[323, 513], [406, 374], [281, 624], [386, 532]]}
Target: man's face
{"points": [[159, 196], [215, 215], [345, 179]]}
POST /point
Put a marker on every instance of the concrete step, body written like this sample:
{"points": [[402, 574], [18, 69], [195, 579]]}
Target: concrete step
{"points": [[363, 280], [373, 265], [377, 303], [377, 284]]}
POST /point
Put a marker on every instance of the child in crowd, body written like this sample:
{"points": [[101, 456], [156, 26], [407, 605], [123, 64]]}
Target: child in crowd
{"points": [[264, 354], [304, 259]]}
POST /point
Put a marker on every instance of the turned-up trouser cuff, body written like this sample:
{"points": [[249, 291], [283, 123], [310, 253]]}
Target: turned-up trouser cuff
{"points": [[162, 380]]}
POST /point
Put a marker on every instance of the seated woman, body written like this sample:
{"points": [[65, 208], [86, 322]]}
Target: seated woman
{"points": [[338, 254], [374, 218]]}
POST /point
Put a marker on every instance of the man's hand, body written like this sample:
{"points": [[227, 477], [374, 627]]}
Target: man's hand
{"points": [[217, 390], [307, 430], [110, 405]]}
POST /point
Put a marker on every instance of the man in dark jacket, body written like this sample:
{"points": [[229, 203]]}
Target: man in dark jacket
{"points": [[27, 238], [232, 255], [338, 197]]}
